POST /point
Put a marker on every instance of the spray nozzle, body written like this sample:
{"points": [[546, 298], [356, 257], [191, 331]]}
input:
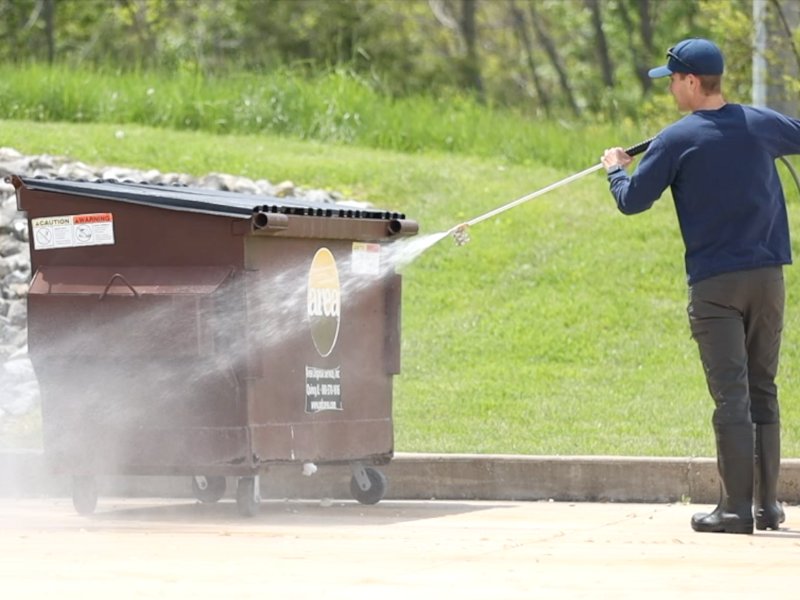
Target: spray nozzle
{"points": [[461, 234]]}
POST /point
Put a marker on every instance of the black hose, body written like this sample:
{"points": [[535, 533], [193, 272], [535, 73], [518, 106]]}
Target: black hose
{"points": [[792, 171], [640, 147]]}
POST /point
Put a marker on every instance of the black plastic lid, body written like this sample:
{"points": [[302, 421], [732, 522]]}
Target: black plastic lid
{"points": [[203, 200]]}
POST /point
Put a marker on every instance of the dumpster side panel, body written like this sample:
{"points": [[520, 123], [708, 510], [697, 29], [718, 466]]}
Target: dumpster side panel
{"points": [[117, 422], [322, 383], [131, 344]]}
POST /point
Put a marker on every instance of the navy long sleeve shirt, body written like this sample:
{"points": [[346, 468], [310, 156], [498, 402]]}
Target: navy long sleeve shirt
{"points": [[720, 166]]}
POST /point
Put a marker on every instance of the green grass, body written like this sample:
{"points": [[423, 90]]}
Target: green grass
{"points": [[333, 107], [559, 329]]}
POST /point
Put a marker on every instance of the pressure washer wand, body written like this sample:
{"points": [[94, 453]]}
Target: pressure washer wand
{"points": [[459, 232]]}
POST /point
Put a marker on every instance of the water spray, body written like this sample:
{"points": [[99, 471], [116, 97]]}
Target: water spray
{"points": [[460, 232]]}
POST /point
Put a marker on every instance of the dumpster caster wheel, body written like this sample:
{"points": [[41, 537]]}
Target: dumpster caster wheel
{"points": [[84, 494], [208, 489], [368, 485], [247, 496]]}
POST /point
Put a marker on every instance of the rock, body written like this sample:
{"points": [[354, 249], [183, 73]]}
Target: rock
{"points": [[18, 368], [14, 167], [284, 189], [9, 154], [7, 188], [76, 170], [16, 289], [7, 334], [243, 185], [170, 178], [264, 187], [320, 196], [20, 399], [118, 174], [9, 247], [19, 228], [215, 181], [43, 162], [17, 313]]}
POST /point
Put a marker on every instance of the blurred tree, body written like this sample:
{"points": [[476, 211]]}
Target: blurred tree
{"points": [[606, 66], [48, 16], [783, 18], [542, 30], [463, 24], [553, 57], [521, 31], [641, 45]]}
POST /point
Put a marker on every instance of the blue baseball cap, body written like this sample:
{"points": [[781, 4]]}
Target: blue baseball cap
{"points": [[696, 56]]}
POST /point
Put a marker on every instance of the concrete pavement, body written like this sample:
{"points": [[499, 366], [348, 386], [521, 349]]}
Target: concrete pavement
{"points": [[178, 548], [584, 537]]}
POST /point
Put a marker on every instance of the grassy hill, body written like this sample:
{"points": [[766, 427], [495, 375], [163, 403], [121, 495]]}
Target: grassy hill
{"points": [[559, 329]]}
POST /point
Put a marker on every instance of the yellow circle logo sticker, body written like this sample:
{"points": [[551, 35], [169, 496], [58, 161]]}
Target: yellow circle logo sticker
{"points": [[324, 301]]}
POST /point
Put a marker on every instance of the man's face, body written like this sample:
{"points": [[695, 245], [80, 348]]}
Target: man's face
{"points": [[681, 88]]}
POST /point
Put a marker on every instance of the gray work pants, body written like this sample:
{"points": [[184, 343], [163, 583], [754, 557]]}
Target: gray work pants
{"points": [[736, 320]]}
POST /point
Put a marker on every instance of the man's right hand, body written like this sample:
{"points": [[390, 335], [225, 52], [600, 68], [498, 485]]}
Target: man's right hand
{"points": [[615, 157]]}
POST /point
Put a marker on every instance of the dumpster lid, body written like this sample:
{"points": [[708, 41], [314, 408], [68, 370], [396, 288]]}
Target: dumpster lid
{"points": [[192, 199], [127, 281]]}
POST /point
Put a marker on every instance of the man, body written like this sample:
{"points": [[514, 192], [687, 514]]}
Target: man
{"points": [[719, 163]]}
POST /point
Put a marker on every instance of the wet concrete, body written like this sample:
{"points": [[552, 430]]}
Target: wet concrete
{"points": [[178, 548]]}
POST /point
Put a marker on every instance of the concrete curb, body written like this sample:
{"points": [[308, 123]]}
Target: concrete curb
{"points": [[440, 476]]}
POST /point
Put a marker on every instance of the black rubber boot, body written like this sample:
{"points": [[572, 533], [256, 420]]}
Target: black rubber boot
{"points": [[768, 511], [734, 512]]}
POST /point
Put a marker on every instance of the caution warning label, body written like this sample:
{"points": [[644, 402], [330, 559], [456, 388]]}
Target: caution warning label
{"points": [[366, 259], [96, 229]]}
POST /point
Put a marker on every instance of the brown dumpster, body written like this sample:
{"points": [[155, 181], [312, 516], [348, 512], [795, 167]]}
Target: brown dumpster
{"points": [[184, 331]]}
